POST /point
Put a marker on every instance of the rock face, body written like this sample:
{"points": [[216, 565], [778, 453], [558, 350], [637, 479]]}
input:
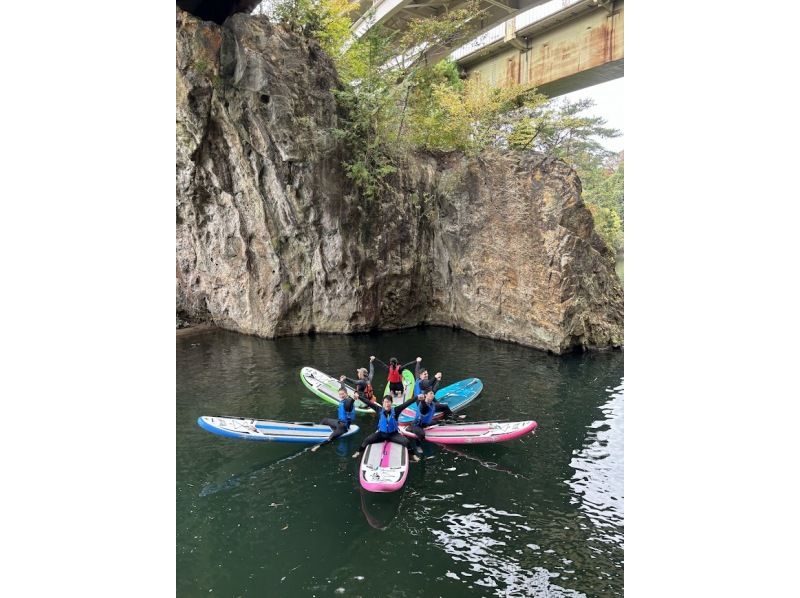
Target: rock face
{"points": [[273, 240]]}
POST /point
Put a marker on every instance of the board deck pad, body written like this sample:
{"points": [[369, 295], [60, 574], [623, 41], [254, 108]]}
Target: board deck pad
{"points": [[269, 430], [384, 467]]}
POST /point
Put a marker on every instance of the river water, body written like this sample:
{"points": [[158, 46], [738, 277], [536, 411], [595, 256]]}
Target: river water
{"points": [[542, 515]]}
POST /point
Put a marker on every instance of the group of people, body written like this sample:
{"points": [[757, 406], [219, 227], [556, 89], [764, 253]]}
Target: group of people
{"points": [[388, 414]]}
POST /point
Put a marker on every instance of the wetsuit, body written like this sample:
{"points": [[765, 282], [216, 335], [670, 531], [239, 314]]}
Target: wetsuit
{"points": [[387, 426], [364, 386], [423, 386], [339, 426], [424, 418], [395, 375]]}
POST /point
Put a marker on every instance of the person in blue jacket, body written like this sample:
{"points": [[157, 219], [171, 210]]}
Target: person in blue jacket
{"points": [[423, 383], [387, 424], [346, 415], [427, 408]]}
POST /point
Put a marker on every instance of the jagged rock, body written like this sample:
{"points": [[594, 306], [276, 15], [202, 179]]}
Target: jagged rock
{"points": [[273, 240]]}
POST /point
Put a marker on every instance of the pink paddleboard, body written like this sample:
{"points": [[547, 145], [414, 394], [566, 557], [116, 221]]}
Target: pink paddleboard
{"points": [[475, 432], [384, 467]]}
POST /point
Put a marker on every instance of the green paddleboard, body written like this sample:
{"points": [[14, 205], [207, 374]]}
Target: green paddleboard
{"points": [[327, 388], [408, 382]]}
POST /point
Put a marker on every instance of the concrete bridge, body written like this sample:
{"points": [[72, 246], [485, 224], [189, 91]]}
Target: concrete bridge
{"points": [[395, 15], [558, 46]]}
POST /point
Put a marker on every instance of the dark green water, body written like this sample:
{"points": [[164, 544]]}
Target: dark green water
{"points": [[537, 516]]}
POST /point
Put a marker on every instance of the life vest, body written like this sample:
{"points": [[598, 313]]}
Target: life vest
{"points": [[368, 391], [344, 415], [417, 389], [428, 417], [394, 374], [387, 424]]}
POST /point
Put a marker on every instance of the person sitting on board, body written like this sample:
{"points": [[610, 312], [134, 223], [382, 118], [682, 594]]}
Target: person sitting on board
{"points": [[363, 384], [396, 387], [387, 424], [423, 384], [347, 413], [427, 408]]}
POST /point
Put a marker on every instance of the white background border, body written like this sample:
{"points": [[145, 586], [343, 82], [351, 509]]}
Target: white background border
{"points": [[88, 297]]}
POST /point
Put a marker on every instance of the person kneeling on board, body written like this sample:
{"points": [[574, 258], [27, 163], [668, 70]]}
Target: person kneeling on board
{"points": [[364, 383], [395, 376], [347, 413], [387, 425], [427, 407]]}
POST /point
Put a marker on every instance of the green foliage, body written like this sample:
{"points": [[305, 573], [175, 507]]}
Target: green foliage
{"points": [[392, 95], [604, 195], [325, 20], [558, 129]]}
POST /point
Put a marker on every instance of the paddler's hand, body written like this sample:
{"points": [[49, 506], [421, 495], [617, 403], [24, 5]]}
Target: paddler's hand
{"points": [[438, 375], [419, 359], [341, 378], [372, 358]]}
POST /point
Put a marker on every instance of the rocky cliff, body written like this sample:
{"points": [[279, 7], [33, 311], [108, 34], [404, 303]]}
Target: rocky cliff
{"points": [[273, 240]]}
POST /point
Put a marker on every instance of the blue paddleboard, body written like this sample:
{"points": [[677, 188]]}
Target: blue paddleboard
{"points": [[456, 396], [267, 430]]}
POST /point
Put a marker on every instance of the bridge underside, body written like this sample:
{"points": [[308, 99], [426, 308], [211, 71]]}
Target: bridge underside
{"points": [[572, 56], [396, 15], [583, 79]]}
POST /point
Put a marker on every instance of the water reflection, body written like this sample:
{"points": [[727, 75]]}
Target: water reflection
{"points": [[471, 538], [597, 484], [234, 481], [380, 509]]}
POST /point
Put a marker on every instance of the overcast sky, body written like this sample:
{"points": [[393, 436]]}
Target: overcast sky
{"points": [[609, 103]]}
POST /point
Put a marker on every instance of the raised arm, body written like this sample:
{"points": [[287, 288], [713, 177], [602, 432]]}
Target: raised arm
{"points": [[416, 369], [400, 408], [405, 365], [371, 369], [436, 382]]}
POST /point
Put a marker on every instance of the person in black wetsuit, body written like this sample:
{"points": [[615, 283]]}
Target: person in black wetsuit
{"points": [[363, 384], [395, 375], [347, 413], [387, 424], [427, 408], [423, 383]]}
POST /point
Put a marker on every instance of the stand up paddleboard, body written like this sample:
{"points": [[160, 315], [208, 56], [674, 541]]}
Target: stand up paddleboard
{"points": [[456, 396], [327, 388], [384, 467], [474, 432], [408, 383], [265, 430]]}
